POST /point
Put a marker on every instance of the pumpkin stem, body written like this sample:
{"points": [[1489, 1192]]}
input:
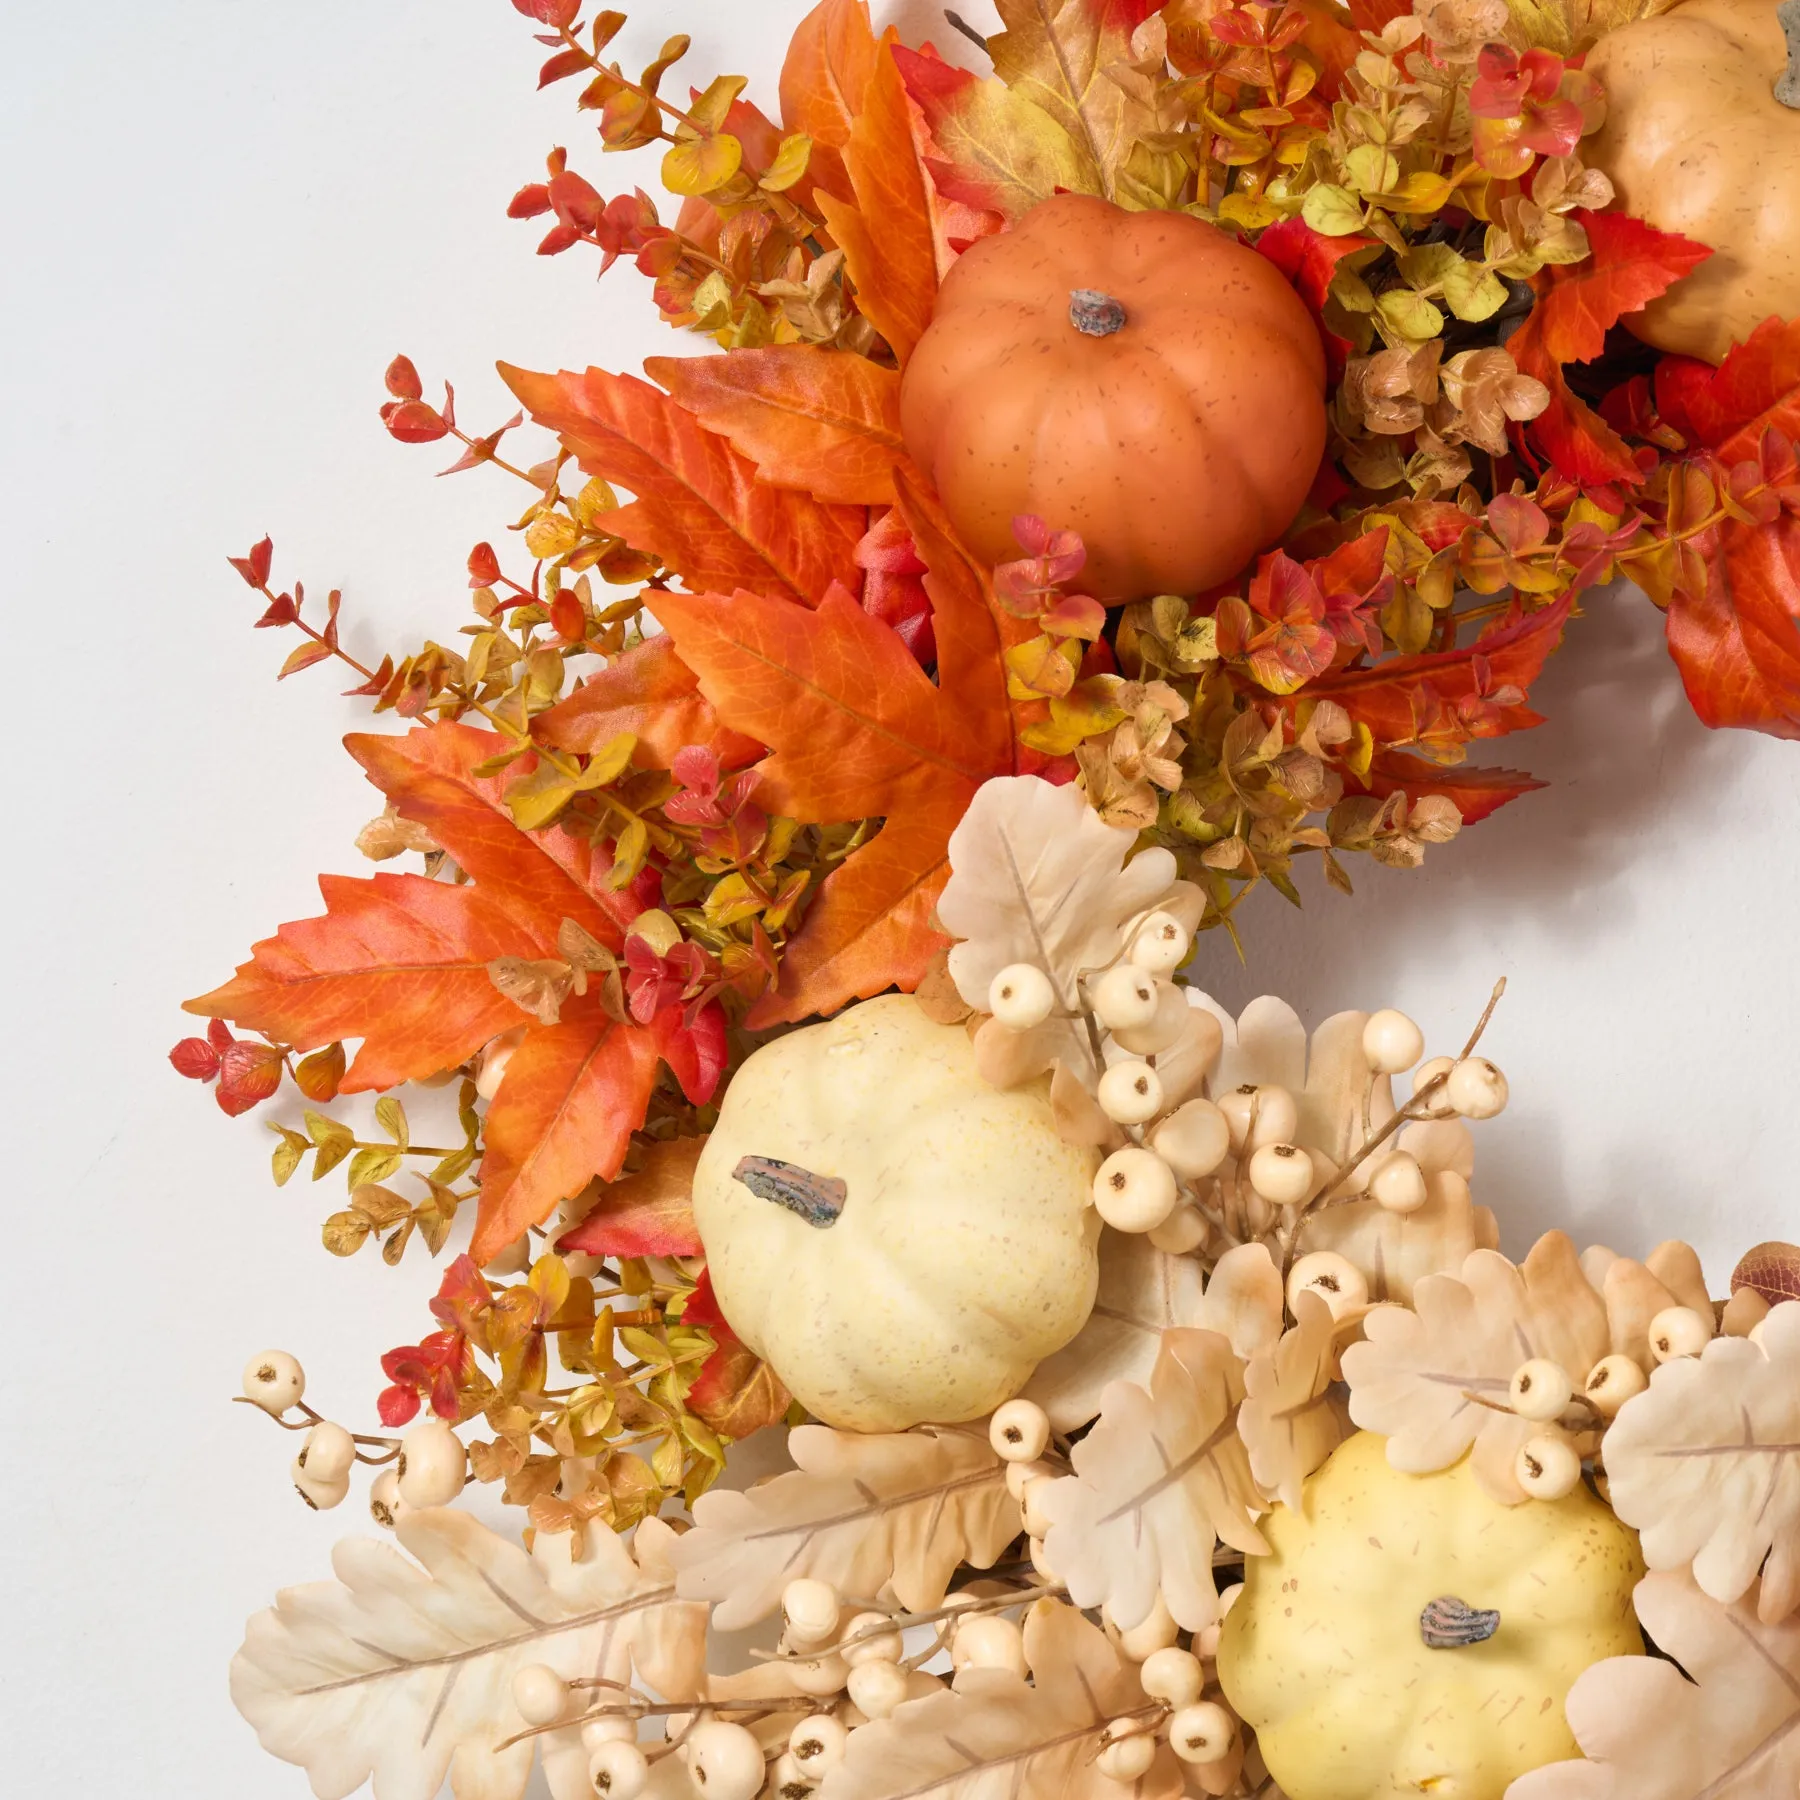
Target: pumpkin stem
{"points": [[1095, 314], [818, 1199], [1787, 85], [1452, 1624]]}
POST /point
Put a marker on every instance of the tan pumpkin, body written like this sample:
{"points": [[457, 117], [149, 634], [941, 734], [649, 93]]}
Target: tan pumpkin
{"points": [[1696, 141], [900, 1241], [1138, 377]]}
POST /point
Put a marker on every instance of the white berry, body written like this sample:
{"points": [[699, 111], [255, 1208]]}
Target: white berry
{"points": [[818, 1674], [876, 1688], [723, 1760], [1202, 1733], [817, 1744], [1181, 1233], [1126, 1750], [1678, 1331], [1612, 1381], [1021, 996], [1391, 1042], [1282, 1173], [275, 1381], [811, 1609], [1547, 1467], [1157, 1630], [1020, 1476], [540, 1694], [1134, 1190], [607, 1728], [1259, 1115], [1161, 944], [385, 1505], [1173, 1016], [1193, 1139], [328, 1452], [988, 1643], [1476, 1088], [1541, 1390], [1398, 1184], [1173, 1676], [432, 1466], [790, 1779], [617, 1770], [1037, 1522], [1019, 1430], [1124, 998], [866, 1640], [1334, 1278], [319, 1494], [1130, 1093], [1438, 1105]]}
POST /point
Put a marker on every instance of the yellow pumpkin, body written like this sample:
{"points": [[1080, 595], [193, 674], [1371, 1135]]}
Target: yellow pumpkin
{"points": [[1696, 141], [1409, 1635], [898, 1240]]}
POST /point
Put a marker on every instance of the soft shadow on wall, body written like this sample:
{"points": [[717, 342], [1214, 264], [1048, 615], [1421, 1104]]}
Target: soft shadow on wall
{"points": [[1599, 898]]}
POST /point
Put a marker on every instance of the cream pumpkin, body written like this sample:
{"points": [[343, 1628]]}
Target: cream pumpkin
{"points": [[1696, 141], [900, 1241], [1409, 1635]]}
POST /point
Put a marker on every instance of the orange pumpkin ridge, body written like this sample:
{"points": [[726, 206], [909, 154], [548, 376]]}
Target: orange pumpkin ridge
{"points": [[1140, 378]]}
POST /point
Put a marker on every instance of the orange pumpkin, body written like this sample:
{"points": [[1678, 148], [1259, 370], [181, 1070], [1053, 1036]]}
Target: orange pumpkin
{"points": [[1138, 377]]}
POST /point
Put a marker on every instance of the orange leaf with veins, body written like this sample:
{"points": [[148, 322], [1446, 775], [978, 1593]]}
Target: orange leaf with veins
{"points": [[698, 504], [859, 731]]}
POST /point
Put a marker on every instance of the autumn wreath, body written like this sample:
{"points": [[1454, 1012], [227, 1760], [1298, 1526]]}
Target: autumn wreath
{"points": [[1132, 463]]}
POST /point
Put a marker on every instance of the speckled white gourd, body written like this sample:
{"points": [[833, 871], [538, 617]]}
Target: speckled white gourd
{"points": [[965, 1250]]}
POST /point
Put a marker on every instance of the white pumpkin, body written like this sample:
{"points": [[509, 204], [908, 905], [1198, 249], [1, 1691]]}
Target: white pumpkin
{"points": [[900, 1241]]}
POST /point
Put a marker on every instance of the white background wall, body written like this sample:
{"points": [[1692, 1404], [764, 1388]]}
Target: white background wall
{"points": [[220, 221]]}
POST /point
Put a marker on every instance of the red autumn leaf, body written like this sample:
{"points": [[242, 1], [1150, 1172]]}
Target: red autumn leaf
{"points": [[255, 567], [1309, 259], [824, 421], [698, 503], [650, 692], [1577, 441], [402, 379], [1728, 408], [249, 1073], [858, 731], [887, 235], [736, 1392], [1403, 699], [195, 1058], [559, 14], [1631, 264], [648, 1213], [1475, 792], [572, 1095], [484, 566], [1369, 15], [1737, 645]]}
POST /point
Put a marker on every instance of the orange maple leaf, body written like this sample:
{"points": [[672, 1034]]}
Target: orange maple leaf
{"points": [[858, 731], [824, 421], [825, 75], [698, 504], [889, 237], [401, 963], [650, 692]]}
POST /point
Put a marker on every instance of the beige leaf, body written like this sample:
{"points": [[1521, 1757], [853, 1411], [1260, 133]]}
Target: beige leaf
{"points": [[1433, 1379], [538, 988], [402, 1670], [1158, 1479], [1705, 1463], [1396, 1251], [1633, 1297], [996, 1735], [860, 1512], [390, 835], [1291, 1419], [1037, 878], [1728, 1730], [1142, 1294]]}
